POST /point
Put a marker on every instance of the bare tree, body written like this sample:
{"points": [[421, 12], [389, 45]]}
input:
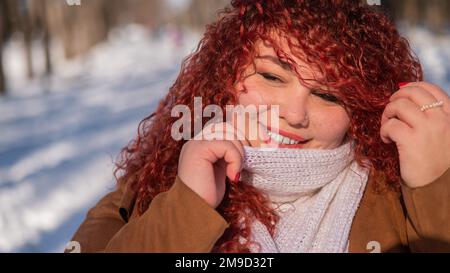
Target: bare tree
{"points": [[5, 32], [38, 20], [432, 13], [436, 15], [2, 31], [81, 27]]}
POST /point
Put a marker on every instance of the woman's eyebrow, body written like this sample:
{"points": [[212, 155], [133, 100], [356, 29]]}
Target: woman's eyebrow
{"points": [[276, 61]]}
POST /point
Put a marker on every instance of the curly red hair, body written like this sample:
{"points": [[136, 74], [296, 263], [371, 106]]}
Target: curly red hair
{"points": [[356, 48]]}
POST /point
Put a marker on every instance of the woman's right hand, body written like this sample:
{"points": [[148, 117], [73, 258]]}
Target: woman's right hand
{"points": [[204, 164]]}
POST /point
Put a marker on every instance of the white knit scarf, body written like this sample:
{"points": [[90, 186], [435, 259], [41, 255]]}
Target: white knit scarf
{"points": [[320, 191]]}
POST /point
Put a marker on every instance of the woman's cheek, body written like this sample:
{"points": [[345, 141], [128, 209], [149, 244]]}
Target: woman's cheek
{"points": [[334, 126], [254, 96]]}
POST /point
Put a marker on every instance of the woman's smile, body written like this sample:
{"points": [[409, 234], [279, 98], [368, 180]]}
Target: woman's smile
{"points": [[282, 139]]}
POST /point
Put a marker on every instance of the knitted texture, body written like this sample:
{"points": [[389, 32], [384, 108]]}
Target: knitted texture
{"points": [[321, 190]]}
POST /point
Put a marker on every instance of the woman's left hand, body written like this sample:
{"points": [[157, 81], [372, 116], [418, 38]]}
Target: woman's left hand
{"points": [[422, 138]]}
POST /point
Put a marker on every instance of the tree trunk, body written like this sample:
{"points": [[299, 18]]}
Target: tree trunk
{"points": [[22, 9], [46, 38], [2, 40], [411, 11], [2, 74], [435, 14]]}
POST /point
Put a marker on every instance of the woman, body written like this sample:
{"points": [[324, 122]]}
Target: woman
{"points": [[355, 163]]}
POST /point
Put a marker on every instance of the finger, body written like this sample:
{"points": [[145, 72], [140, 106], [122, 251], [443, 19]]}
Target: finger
{"points": [[394, 130], [216, 132], [405, 110], [423, 93], [225, 136], [227, 151]]}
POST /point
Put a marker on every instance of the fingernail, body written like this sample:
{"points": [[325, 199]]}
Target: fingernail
{"points": [[400, 85], [237, 178]]}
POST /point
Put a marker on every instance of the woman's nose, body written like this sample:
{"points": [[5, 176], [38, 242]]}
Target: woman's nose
{"points": [[294, 111]]}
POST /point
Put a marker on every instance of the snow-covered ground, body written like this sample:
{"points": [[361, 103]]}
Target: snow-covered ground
{"points": [[434, 54], [58, 137]]}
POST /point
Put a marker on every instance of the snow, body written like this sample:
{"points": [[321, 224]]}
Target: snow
{"points": [[179, 4], [59, 135], [433, 52]]}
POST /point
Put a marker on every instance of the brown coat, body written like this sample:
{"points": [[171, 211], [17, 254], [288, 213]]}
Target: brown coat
{"points": [[417, 220]]}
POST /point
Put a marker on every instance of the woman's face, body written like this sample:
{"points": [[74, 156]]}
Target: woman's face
{"points": [[304, 114]]}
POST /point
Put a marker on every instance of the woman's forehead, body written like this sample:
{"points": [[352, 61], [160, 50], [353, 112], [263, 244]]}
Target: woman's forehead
{"points": [[266, 51]]}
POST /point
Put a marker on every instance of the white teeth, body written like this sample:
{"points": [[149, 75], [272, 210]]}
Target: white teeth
{"points": [[281, 139], [286, 140], [278, 138]]}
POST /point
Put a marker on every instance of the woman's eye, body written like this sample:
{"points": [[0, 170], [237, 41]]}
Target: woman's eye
{"points": [[270, 77], [325, 96]]}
